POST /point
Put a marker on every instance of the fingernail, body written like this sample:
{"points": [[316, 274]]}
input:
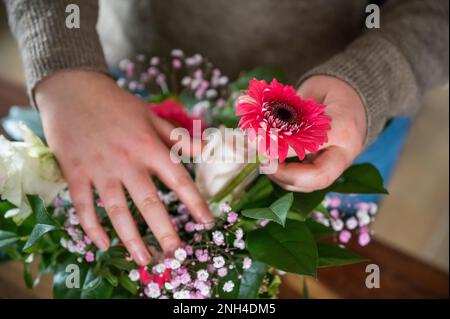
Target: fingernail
{"points": [[209, 224], [143, 258], [103, 245]]}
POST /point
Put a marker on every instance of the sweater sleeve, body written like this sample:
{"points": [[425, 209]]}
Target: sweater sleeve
{"points": [[391, 67], [47, 45]]}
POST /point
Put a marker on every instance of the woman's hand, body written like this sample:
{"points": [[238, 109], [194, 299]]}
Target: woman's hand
{"points": [[345, 139], [104, 138]]}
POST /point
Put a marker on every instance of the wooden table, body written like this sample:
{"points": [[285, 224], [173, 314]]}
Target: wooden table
{"points": [[401, 275]]}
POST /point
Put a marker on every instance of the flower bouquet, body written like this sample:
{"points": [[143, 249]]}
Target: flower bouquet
{"points": [[261, 230]]}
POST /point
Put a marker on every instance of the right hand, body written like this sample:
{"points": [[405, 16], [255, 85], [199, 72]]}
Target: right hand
{"points": [[104, 137]]}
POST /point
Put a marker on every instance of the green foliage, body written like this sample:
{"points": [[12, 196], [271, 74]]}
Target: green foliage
{"points": [[276, 212], [257, 194], [44, 222], [261, 73], [251, 280], [333, 255], [291, 248]]}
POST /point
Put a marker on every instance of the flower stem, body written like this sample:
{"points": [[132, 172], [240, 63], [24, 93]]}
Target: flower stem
{"points": [[235, 182]]}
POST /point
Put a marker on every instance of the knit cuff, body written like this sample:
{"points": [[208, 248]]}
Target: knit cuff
{"points": [[47, 45], [381, 76]]}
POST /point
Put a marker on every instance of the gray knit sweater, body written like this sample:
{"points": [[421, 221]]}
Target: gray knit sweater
{"points": [[390, 67]]}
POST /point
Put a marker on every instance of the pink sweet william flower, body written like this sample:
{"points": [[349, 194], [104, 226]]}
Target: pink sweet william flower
{"points": [[299, 124], [90, 256], [175, 113]]}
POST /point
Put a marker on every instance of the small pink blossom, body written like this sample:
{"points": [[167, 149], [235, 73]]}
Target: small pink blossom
{"points": [[202, 255], [176, 63], [90, 256], [364, 238], [189, 227], [232, 217], [222, 272], [345, 236], [247, 263]]}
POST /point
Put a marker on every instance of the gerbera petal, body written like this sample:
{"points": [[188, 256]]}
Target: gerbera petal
{"points": [[283, 149], [256, 89]]}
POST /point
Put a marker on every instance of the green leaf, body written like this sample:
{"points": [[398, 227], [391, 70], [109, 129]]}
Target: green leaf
{"points": [[40, 211], [333, 255], [110, 278], [292, 248], [360, 179], [38, 231], [277, 212], [121, 264], [128, 284], [27, 275], [305, 203], [318, 230], [257, 193], [7, 238], [44, 223], [96, 287], [261, 73], [251, 280]]}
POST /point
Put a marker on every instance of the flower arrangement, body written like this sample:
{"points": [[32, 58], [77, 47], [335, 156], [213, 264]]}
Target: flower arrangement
{"points": [[261, 230]]}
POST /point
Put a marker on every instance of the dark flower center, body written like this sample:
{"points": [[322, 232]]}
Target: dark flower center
{"points": [[284, 112], [282, 116]]}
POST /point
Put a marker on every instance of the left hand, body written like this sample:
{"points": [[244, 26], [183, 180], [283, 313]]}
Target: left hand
{"points": [[345, 139]]}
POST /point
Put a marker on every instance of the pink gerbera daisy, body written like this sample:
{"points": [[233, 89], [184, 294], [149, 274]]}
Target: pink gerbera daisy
{"points": [[299, 124]]}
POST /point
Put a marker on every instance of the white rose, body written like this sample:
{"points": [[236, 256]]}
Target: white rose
{"points": [[217, 168], [27, 168]]}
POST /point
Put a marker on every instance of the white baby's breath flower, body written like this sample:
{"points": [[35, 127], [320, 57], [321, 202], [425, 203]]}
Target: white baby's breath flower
{"points": [[218, 238], [363, 217], [177, 53], [239, 233], [204, 290], [351, 223], [228, 286], [337, 224], [239, 243], [134, 275], [218, 262], [202, 275], [159, 268], [174, 264], [182, 294], [152, 290], [246, 263], [27, 168], [180, 254]]}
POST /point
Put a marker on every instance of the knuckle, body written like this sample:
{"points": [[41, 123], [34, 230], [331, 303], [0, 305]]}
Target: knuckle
{"points": [[150, 201], [115, 210], [168, 239], [323, 180]]}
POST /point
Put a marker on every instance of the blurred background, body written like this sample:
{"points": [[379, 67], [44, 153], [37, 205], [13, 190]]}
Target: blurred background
{"points": [[413, 219]]}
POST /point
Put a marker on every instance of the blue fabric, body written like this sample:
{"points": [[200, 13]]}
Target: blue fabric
{"points": [[383, 154]]}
